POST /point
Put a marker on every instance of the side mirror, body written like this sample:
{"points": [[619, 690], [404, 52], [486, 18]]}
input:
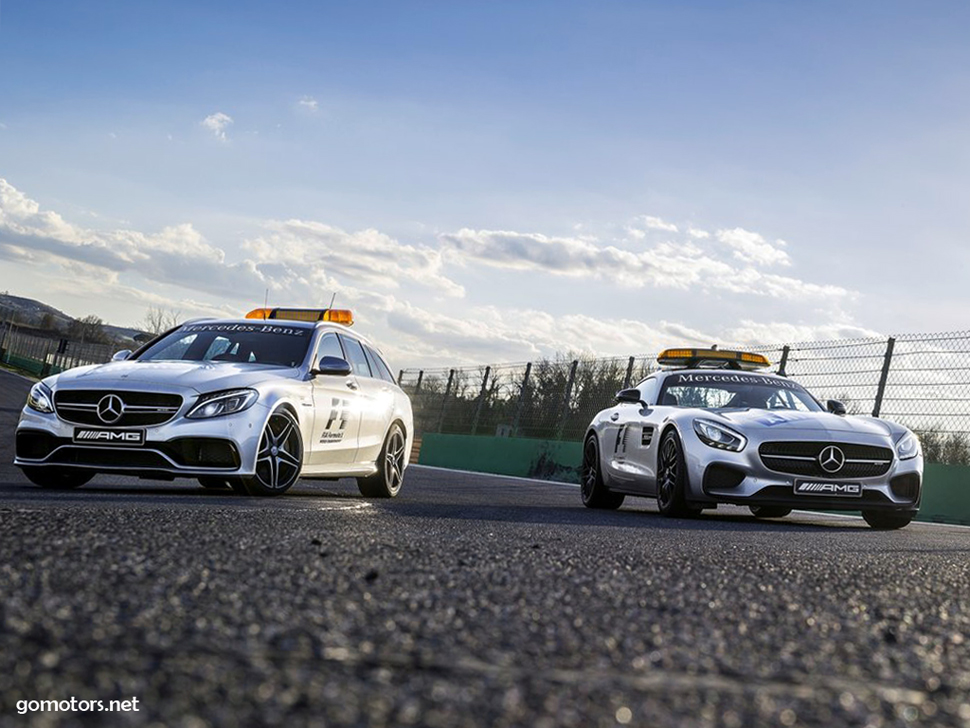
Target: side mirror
{"points": [[121, 355], [629, 396], [835, 407], [332, 366]]}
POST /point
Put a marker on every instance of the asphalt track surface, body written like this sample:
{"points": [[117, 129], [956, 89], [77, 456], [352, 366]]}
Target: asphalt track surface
{"points": [[467, 601]]}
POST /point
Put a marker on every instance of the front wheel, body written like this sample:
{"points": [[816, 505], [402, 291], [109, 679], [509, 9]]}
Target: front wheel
{"points": [[278, 460], [883, 521], [58, 478], [387, 481], [672, 479], [593, 489]]}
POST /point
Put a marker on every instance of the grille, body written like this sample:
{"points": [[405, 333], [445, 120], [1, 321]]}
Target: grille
{"points": [[801, 458], [141, 409]]}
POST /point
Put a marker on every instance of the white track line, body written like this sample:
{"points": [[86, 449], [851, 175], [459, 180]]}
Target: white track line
{"points": [[825, 514]]}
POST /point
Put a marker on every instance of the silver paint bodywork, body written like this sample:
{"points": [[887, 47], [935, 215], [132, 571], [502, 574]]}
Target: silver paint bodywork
{"points": [[365, 406], [629, 437]]}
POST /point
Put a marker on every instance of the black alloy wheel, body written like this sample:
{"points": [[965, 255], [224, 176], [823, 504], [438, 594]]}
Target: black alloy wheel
{"points": [[279, 458], [672, 479], [387, 481], [592, 488]]}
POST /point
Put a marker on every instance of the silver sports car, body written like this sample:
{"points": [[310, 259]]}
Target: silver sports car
{"points": [[252, 404], [709, 428]]}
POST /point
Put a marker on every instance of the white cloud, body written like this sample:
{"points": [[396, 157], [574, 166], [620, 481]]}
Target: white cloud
{"points": [[667, 265], [753, 248], [655, 223], [309, 103], [384, 281], [780, 332], [698, 234], [217, 123], [367, 257]]}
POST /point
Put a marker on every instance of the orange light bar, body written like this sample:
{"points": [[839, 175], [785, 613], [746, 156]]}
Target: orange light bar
{"points": [[695, 357], [334, 315]]}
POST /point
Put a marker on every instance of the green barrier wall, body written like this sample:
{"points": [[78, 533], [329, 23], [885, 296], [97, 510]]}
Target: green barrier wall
{"points": [[545, 459], [946, 488]]}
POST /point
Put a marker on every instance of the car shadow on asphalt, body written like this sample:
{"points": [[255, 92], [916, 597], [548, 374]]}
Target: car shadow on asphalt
{"points": [[632, 518]]}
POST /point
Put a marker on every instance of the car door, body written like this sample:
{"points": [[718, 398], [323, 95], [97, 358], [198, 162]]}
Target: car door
{"points": [[373, 394], [337, 406], [631, 441]]}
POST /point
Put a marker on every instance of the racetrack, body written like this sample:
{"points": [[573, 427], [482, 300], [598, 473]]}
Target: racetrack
{"points": [[469, 600]]}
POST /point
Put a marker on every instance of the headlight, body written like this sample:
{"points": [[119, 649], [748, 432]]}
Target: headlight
{"points": [[908, 447], [217, 404], [40, 398], [717, 435]]}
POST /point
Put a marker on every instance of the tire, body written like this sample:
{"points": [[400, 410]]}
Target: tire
{"points": [[883, 521], [58, 478], [214, 482], [593, 489], [387, 481], [769, 511], [278, 460], [672, 479]]}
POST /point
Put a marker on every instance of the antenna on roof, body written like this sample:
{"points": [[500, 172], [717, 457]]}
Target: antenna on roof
{"points": [[266, 299], [333, 298]]}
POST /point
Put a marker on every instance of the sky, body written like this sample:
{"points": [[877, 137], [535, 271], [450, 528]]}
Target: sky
{"points": [[485, 182]]}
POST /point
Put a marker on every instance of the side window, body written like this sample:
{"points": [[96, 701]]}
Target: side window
{"points": [[648, 390], [378, 366], [329, 346], [356, 356]]}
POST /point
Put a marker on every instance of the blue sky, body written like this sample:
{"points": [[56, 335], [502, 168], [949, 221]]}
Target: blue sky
{"points": [[517, 178]]}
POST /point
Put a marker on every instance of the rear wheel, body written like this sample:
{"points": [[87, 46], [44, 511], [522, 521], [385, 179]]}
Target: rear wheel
{"points": [[58, 478], [769, 511], [883, 521], [387, 481], [672, 479], [593, 489], [278, 460]]}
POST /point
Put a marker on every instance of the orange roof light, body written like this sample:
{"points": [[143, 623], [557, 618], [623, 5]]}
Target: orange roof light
{"points": [[712, 358], [334, 315]]}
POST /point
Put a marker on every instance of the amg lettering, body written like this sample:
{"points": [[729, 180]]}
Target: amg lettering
{"points": [[125, 437], [829, 488]]}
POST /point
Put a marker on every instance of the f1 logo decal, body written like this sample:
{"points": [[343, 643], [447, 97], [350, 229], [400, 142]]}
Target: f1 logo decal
{"points": [[338, 413]]}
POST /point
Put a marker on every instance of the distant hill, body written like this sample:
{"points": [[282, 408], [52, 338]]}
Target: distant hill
{"points": [[28, 312]]}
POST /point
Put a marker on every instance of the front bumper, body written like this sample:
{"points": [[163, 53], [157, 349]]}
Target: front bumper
{"points": [[181, 447], [743, 479]]}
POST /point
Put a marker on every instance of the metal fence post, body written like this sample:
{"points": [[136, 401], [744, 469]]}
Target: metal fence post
{"points": [[481, 400], [881, 389], [628, 379], [417, 387], [521, 402], [564, 409], [784, 360], [444, 401]]}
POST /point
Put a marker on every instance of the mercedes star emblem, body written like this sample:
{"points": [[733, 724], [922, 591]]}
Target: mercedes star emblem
{"points": [[831, 459], [110, 409]]}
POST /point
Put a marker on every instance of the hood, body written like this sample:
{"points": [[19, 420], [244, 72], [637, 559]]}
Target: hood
{"points": [[207, 376], [815, 424]]}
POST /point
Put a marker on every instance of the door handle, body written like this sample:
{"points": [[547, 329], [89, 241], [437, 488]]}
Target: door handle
{"points": [[615, 416], [352, 385]]}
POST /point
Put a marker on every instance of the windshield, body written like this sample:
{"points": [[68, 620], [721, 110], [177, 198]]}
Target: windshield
{"points": [[247, 343], [735, 390]]}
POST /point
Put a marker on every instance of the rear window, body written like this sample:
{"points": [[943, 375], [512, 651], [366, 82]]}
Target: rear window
{"points": [[378, 366]]}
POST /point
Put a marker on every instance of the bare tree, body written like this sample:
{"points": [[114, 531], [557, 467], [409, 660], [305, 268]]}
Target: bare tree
{"points": [[158, 319]]}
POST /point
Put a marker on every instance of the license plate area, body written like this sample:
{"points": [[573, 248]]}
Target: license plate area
{"points": [[828, 489], [96, 436]]}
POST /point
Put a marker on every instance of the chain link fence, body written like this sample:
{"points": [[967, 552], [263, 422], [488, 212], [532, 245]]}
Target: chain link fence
{"points": [[43, 355], [919, 380]]}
